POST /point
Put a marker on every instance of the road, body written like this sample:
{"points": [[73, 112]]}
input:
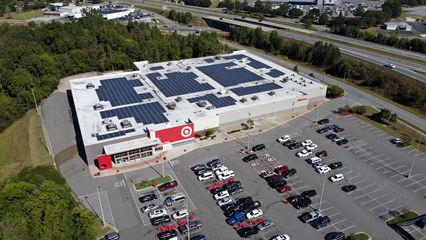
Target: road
{"points": [[403, 66]]}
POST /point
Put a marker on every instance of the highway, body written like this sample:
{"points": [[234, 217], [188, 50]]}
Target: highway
{"points": [[403, 66]]}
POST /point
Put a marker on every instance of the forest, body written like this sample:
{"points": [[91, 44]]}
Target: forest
{"points": [[392, 85], [38, 204], [35, 57], [180, 17]]}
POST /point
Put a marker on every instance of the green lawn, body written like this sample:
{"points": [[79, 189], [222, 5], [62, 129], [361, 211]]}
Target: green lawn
{"points": [[359, 236], [403, 217], [26, 15], [23, 144], [148, 183]]}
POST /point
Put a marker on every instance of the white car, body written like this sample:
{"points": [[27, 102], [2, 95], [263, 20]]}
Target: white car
{"points": [[319, 164], [390, 65], [221, 170], [149, 207], [224, 201], [283, 139], [180, 214], [311, 147], [220, 195], [314, 160], [157, 213], [337, 178], [225, 175], [323, 169], [216, 166], [307, 143], [205, 176], [303, 153], [281, 237], [255, 213], [337, 139]]}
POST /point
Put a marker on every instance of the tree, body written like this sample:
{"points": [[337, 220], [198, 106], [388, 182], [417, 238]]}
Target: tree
{"points": [[334, 91], [384, 115], [282, 10], [295, 13], [295, 68], [359, 11], [323, 19]]}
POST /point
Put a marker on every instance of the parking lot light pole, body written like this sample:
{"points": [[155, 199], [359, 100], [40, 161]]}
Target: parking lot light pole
{"points": [[100, 205], [415, 156], [322, 192]]}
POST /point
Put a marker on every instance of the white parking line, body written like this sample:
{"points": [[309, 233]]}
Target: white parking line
{"points": [[334, 214], [381, 205], [369, 185], [345, 219], [134, 199], [419, 189], [373, 199], [346, 228]]}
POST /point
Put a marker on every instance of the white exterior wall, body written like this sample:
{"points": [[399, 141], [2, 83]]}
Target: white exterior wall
{"points": [[209, 121], [116, 15]]}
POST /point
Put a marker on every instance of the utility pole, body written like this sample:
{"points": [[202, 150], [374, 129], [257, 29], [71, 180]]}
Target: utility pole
{"points": [[415, 156], [35, 101], [100, 204]]}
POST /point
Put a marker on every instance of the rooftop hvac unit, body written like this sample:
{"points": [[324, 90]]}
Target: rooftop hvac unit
{"points": [[178, 99], [223, 92], [271, 93], [254, 98], [134, 75], [125, 123], [90, 85], [95, 134], [188, 67], [98, 106], [111, 127], [243, 100], [171, 105], [217, 57], [202, 103]]}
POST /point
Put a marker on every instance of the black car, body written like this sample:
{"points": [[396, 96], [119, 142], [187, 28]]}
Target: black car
{"points": [[147, 198], [232, 184], [295, 145], [321, 154], [165, 235], [159, 220], [335, 236], [249, 206], [191, 226], [335, 165], [231, 212], [348, 188], [198, 237], [198, 167], [217, 190], [235, 190], [229, 206], [299, 202], [321, 222], [247, 232], [309, 193], [323, 130], [213, 162], [323, 121], [277, 184], [201, 171], [331, 136], [258, 147], [244, 200], [250, 158], [289, 173], [112, 236], [289, 142], [342, 142]]}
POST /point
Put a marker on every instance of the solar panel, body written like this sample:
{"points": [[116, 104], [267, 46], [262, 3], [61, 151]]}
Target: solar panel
{"points": [[209, 60], [178, 83], [226, 76], [114, 134], [275, 73], [241, 91], [214, 100], [143, 113], [156, 68], [120, 91], [253, 63]]}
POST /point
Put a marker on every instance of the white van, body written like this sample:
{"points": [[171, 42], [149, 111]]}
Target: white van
{"points": [[175, 198], [205, 176]]}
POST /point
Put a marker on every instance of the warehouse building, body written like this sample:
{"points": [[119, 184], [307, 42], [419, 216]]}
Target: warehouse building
{"points": [[132, 116]]}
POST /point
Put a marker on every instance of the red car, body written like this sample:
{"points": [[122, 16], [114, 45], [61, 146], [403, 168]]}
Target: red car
{"points": [[273, 178], [284, 189], [167, 185], [337, 130], [281, 170]]}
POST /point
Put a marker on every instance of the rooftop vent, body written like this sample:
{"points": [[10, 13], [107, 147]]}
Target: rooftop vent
{"points": [[178, 99], [188, 67], [254, 98], [134, 75], [111, 127], [271, 93], [223, 92], [169, 63], [171, 105], [125, 123], [90, 85], [243, 100], [202, 103], [217, 57], [98, 106]]}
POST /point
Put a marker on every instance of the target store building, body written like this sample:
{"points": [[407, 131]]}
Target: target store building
{"points": [[127, 117]]}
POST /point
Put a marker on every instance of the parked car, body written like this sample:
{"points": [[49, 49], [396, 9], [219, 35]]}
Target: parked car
{"points": [[273, 178], [307, 143], [264, 225], [213, 162], [201, 171], [321, 222], [224, 201], [335, 165], [167, 185], [244, 200], [289, 142], [339, 129], [220, 195], [307, 217], [199, 237], [229, 206], [250, 158], [247, 232], [337, 139], [280, 237], [295, 145], [309, 193], [255, 213], [221, 170], [281, 170], [321, 154], [318, 165], [112, 236], [148, 197], [216, 166], [191, 226], [314, 160], [397, 141], [157, 213], [303, 153], [337, 178], [235, 218], [283, 139], [349, 188], [311, 147], [166, 235], [160, 220], [299, 202], [331, 136], [198, 167], [258, 147], [277, 184], [335, 236], [232, 184], [342, 142], [180, 214], [235, 190], [225, 175], [323, 169], [219, 189], [205, 176], [323, 130], [149, 207], [323, 121], [284, 189], [289, 173], [250, 206]]}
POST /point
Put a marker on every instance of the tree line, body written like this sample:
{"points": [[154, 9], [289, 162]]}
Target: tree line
{"points": [[180, 17], [387, 83], [38, 204], [33, 58]]}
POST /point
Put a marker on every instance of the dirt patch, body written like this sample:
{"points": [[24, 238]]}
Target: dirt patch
{"points": [[66, 154]]}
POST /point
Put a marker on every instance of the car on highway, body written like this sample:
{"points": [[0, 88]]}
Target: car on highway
{"points": [[308, 217], [250, 158], [295, 145], [390, 65], [342, 142], [321, 222], [166, 235], [303, 153], [183, 213], [322, 153], [205, 176], [247, 232], [323, 169], [224, 201], [148, 197], [283, 139], [335, 165], [337, 178], [149, 207], [258, 147], [323, 121], [280, 237], [255, 213], [264, 225], [160, 220], [284, 189], [349, 188], [168, 185], [157, 213], [335, 236], [307, 142], [331, 136], [289, 173], [281, 169], [314, 160], [309, 193], [220, 195]]}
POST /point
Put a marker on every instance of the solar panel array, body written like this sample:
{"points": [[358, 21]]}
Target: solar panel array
{"points": [[253, 63], [241, 91], [214, 100], [178, 83], [120, 91], [114, 134], [275, 73], [143, 113], [229, 77], [156, 68], [209, 60]]}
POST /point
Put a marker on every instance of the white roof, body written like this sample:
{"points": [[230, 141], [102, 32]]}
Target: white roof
{"points": [[129, 145]]}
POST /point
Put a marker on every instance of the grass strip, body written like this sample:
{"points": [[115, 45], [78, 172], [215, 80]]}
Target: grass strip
{"points": [[403, 217], [150, 182]]}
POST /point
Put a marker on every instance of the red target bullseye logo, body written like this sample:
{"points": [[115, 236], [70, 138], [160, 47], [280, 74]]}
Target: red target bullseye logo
{"points": [[186, 131]]}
